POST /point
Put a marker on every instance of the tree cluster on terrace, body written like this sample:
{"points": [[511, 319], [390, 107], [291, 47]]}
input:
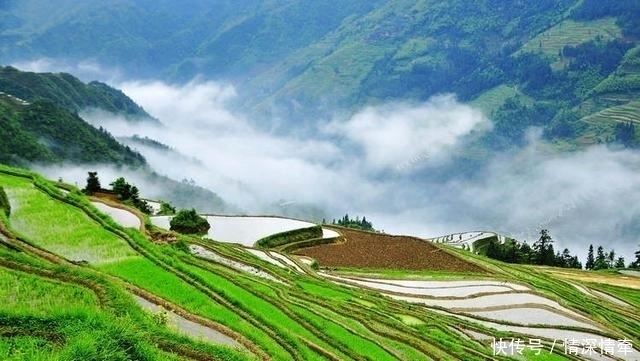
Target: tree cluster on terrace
{"points": [[127, 193], [356, 223], [603, 260], [541, 253]]}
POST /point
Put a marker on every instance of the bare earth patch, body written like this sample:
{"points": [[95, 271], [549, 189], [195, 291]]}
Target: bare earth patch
{"points": [[377, 250]]}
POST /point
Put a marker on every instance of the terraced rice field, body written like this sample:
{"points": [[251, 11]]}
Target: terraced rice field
{"points": [[187, 327], [466, 239], [28, 294], [212, 256], [122, 216], [602, 278], [626, 113], [511, 308], [228, 302], [246, 230], [63, 230], [572, 33]]}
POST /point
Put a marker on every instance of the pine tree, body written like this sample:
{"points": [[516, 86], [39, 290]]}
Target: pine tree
{"points": [[601, 260], [543, 249], [590, 259], [575, 263], [567, 259], [619, 262], [636, 263], [93, 183], [611, 259], [524, 254]]}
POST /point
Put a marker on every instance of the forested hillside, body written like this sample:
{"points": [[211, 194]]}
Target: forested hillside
{"points": [[570, 67], [69, 92], [43, 132]]}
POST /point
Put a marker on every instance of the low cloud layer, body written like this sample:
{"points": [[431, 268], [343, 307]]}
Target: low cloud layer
{"points": [[373, 163], [394, 135]]}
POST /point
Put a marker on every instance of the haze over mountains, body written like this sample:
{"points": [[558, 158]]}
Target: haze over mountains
{"points": [[427, 117]]}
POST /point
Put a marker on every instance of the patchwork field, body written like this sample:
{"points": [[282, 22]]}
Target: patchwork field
{"points": [[375, 297]]}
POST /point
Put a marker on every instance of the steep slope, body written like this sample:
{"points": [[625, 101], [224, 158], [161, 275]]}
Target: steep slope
{"points": [[44, 132], [551, 64], [69, 92]]}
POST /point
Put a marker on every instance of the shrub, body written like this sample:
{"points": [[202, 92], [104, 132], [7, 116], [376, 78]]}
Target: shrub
{"points": [[166, 209], [187, 221]]}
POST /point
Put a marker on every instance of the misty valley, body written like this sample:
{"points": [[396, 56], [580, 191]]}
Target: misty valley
{"points": [[296, 180]]}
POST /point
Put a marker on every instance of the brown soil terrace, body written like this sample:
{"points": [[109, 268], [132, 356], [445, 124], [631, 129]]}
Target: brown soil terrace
{"points": [[376, 250]]}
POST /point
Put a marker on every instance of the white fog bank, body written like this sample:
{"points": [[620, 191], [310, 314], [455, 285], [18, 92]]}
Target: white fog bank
{"points": [[375, 163]]}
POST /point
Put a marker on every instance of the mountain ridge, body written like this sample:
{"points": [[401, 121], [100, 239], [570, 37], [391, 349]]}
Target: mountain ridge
{"points": [[299, 60]]}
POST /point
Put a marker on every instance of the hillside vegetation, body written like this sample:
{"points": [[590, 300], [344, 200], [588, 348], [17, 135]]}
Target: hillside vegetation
{"points": [[566, 62], [69, 92], [44, 132]]}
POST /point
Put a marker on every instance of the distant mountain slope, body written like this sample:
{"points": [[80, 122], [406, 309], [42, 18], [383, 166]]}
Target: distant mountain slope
{"points": [[40, 123], [70, 92], [225, 38], [551, 64], [40, 126], [44, 132]]}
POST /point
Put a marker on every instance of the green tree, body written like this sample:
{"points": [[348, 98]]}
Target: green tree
{"points": [[591, 261], [566, 260], [525, 253], [121, 188], [166, 209], [601, 260], [575, 263], [619, 262], [93, 184], [543, 249], [187, 221], [611, 259], [356, 223], [636, 263], [129, 194]]}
